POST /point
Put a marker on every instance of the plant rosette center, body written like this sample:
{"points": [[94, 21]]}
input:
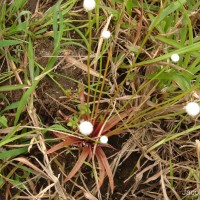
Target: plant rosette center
{"points": [[89, 135]]}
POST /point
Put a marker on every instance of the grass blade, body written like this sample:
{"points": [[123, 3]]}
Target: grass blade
{"points": [[13, 153], [28, 163], [12, 87], [23, 101], [187, 49], [7, 43], [167, 11], [5, 139], [31, 59], [3, 121]]}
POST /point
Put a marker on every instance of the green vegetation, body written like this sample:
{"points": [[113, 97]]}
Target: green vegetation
{"points": [[57, 69]]}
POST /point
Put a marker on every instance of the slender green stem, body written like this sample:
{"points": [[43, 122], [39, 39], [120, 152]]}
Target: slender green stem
{"points": [[99, 79], [137, 55], [172, 137], [89, 54], [103, 83], [97, 14]]}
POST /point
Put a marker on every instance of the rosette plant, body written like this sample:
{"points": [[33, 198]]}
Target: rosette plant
{"points": [[90, 145]]}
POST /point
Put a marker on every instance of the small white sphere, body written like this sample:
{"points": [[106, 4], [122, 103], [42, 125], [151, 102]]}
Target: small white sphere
{"points": [[175, 57], [106, 34], [89, 5], [192, 109], [85, 127], [104, 139]]}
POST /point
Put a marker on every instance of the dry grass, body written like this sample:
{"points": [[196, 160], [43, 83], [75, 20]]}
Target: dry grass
{"points": [[57, 54]]}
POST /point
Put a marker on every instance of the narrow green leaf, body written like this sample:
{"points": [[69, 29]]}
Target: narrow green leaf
{"points": [[12, 87], [174, 43], [55, 26], [58, 31], [23, 101], [16, 138], [3, 121], [182, 81], [129, 6], [10, 107], [13, 152], [114, 12], [2, 15], [79, 32], [58, 127], [6, 138], [16, 5], [166, 12], [6, 43], [18, 28], [31, 59], [195, 66], [189, 48], [169, 41], [172, 137]]}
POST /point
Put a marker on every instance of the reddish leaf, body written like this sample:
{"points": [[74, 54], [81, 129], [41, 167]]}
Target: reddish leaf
{"points": [[101, 171], [114, 121], [34, 167], [78, 164], [115, 132], [106, 145], [60, 135], [83, 117], [90, 154], [68, 141], [97, 129], [101, 155], [64, 116]]}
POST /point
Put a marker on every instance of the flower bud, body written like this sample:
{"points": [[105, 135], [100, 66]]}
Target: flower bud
{"points": [[89, 5], [175, 58], [192, 109], [105, 34], [85, 127], [104, 139]]}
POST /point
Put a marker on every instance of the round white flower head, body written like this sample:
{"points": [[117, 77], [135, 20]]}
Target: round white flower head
{"points": [[104, 139], [175, 57], [89, 5], [85, 127], [192, 109], [105, 34]]}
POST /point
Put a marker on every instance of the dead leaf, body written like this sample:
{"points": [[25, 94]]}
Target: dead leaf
{"points": [[26, 162]]}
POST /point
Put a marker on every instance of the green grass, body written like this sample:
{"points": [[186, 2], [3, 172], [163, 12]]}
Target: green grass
{"points": [[136, 75]]}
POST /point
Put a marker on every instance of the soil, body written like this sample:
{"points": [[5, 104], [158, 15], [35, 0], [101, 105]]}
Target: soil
{"points": [[51, 98]]}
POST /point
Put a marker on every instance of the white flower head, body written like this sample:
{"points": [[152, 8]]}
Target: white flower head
{"points": [[175, 58], [104, 139], [192, 109], [85, 127], [89, 5], [105, 34]]}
